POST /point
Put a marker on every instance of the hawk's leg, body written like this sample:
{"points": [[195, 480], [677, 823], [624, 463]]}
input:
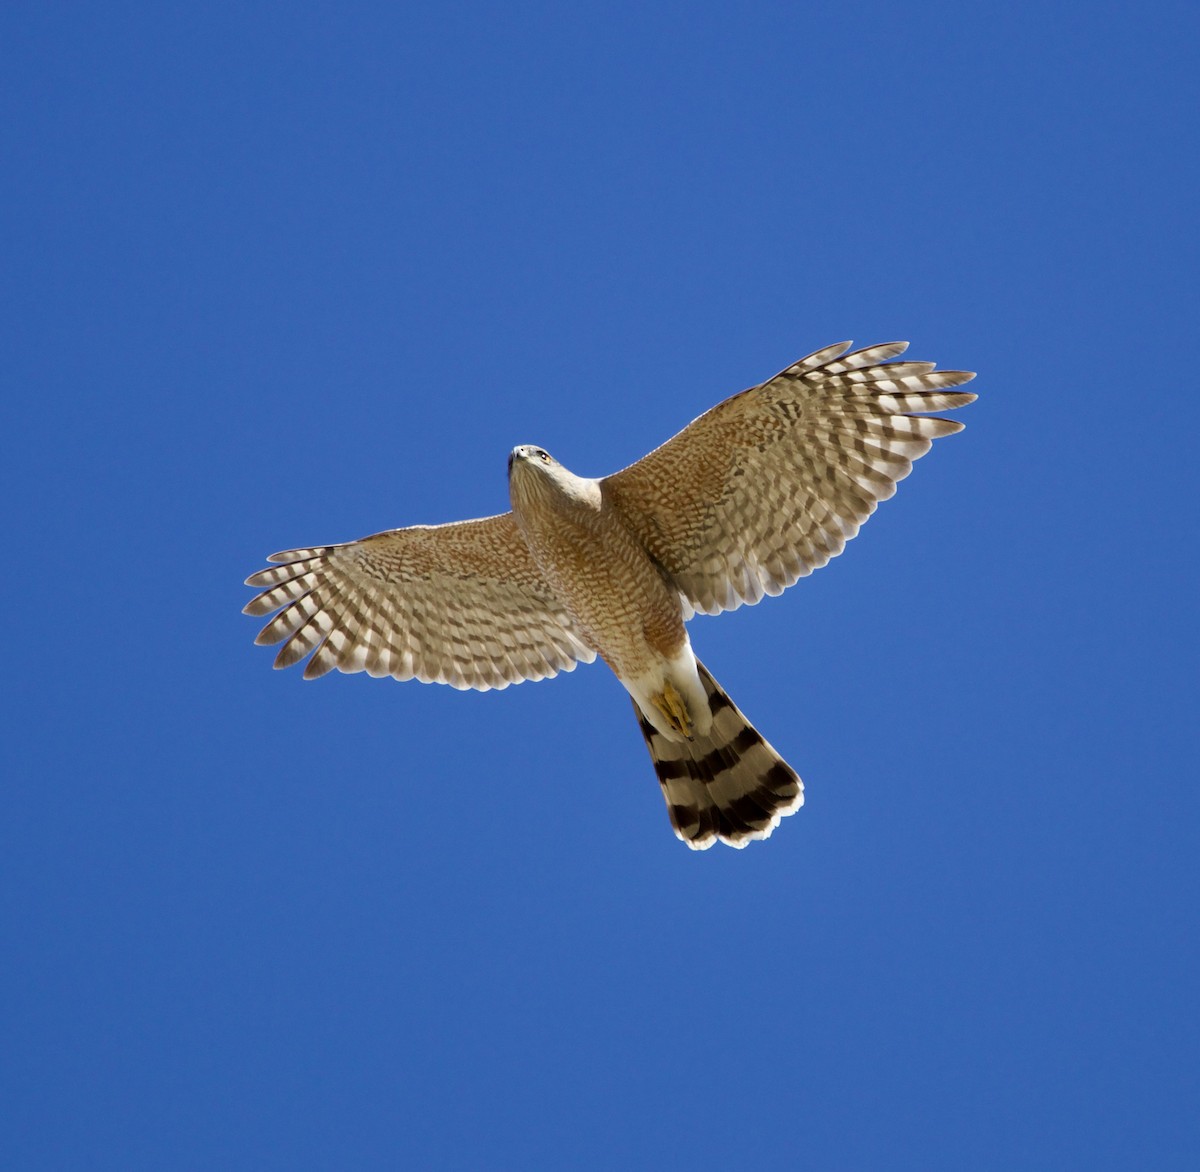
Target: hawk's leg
{"points": [[671, 704]]}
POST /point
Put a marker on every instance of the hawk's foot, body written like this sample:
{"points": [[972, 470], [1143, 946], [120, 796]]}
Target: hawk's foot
{"points": [[671, 704]]}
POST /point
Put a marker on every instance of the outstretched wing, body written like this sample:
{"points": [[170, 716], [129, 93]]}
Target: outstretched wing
{"points": [[770, 484], [461, 604]]}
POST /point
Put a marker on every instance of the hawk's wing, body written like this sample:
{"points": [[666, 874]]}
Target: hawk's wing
{"points": [[770, 484], [461, 604]]}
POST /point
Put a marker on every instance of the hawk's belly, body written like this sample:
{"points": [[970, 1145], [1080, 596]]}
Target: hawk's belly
{"points": [[606, 579]]}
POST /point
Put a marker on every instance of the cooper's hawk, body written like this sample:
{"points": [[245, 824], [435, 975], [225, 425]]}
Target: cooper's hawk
{"points": [[756, 493]]}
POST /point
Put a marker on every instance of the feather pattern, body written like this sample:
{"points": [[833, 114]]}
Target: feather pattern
{"points": [[730, 786], [461, 604], [757, 492], [770, 484]]}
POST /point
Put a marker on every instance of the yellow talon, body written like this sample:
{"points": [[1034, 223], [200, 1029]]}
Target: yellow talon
{"points": [[670, 703]]}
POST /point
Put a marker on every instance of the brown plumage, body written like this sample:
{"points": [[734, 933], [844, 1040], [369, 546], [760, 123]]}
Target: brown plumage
{"points": [[756, 493]]}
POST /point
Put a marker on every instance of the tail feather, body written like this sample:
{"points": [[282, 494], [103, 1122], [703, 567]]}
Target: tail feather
{"points": [[730, 785]]}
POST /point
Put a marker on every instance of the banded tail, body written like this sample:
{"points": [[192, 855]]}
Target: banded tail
{"points": [[730, 785]]}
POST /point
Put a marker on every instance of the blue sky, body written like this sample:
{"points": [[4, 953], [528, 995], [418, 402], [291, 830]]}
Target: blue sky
{"points": [[276, 275]]}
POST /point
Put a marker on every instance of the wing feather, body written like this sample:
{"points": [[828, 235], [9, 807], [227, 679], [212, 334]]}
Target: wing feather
{"points": [[462, 604], [770, 484]]}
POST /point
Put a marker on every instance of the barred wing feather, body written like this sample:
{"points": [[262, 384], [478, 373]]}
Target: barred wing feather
{"points": [[460, 604], [770, 484]]}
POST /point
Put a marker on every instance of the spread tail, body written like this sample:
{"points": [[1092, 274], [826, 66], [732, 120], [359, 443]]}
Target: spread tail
{"points": [[730, 785]]}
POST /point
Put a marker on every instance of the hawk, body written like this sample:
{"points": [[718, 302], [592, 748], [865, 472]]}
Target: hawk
{"points": [[756, 493]]}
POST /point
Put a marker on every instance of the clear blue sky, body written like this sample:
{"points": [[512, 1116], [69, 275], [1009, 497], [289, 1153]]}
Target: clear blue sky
{"points": [[281, 274]]}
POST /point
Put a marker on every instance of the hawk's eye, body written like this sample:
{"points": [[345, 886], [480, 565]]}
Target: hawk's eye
{"points": [[544, 457]]}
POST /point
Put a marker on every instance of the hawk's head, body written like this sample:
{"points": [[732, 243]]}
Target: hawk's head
{"points": [[536, 476], [530, 454]]}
